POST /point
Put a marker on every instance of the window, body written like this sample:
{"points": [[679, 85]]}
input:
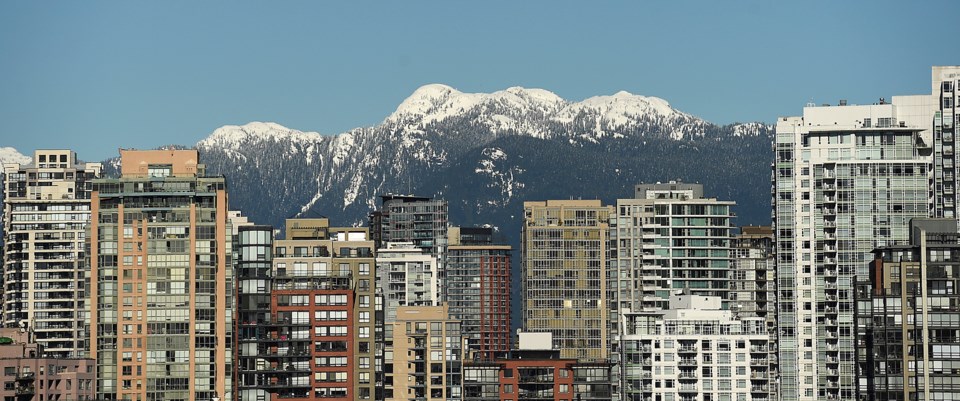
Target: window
{"points": [[159, 170], [364, 269], [329, 300]]}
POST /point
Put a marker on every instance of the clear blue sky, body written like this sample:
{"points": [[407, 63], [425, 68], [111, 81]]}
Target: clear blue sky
{"points": [[95, 76]]}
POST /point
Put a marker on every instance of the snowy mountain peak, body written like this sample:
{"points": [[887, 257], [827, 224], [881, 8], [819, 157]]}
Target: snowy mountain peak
{"points": [[11, 155], [233, 136], [629, 103], [422, 101]]}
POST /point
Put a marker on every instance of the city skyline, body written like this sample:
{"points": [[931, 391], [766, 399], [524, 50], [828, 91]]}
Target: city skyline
{"points": [[161, 74]]}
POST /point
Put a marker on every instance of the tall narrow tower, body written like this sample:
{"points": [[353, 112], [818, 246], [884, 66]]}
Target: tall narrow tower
{"points": [[161, 284], [846, 180]]}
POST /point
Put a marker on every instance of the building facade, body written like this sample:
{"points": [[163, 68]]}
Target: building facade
{"points": [[421, 220], [428, 361], [669, 238], [46, 209], [160, 280], [535, 371], [564, 272], [846, 180], [908, 317], [694, 351], [753, 285], [478, 290], [28, 375], [406, 276], [315, 335], [942, 106]]}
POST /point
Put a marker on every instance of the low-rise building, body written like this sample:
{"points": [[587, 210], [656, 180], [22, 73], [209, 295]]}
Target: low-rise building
{"points": [[27, 375], [535, 371], [695, 351]]}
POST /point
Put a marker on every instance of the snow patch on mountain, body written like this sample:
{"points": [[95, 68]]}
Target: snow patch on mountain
{"points": [[748, 129], [10, 155], [502, 177]]}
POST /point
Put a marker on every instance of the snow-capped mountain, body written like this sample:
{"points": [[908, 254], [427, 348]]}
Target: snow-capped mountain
{"points": [[486, 153], [11, 155]]}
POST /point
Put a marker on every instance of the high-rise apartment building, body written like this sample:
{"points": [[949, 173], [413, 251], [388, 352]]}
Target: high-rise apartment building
{"points": [[428, 361], [253, 258], [669, 238], [942, 106], [753, 285], [310, 323], [406, 276], [478, 290], [417, 219], [694, 351], [565, 255], [161, 280], [46, 210], [908, 317], [846, 180]]}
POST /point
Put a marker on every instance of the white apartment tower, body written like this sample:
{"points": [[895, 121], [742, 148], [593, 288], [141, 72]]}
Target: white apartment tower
{"points": [[941, 105], [846, 180], [46, 210], [407, 276], [695, 351], [670, 237]]}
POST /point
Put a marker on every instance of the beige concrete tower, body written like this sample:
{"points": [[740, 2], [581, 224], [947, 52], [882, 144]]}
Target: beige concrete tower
{"points": [[45, 213]]}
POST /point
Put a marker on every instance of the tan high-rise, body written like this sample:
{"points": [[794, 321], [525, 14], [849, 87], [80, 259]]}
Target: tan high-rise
{"points": [[427, 356], [564, 252], [161, 285]]}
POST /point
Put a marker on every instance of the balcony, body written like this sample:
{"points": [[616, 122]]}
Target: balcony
{"points": [[687, 375], [26, 376], [687, 349], [25, 390]]}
